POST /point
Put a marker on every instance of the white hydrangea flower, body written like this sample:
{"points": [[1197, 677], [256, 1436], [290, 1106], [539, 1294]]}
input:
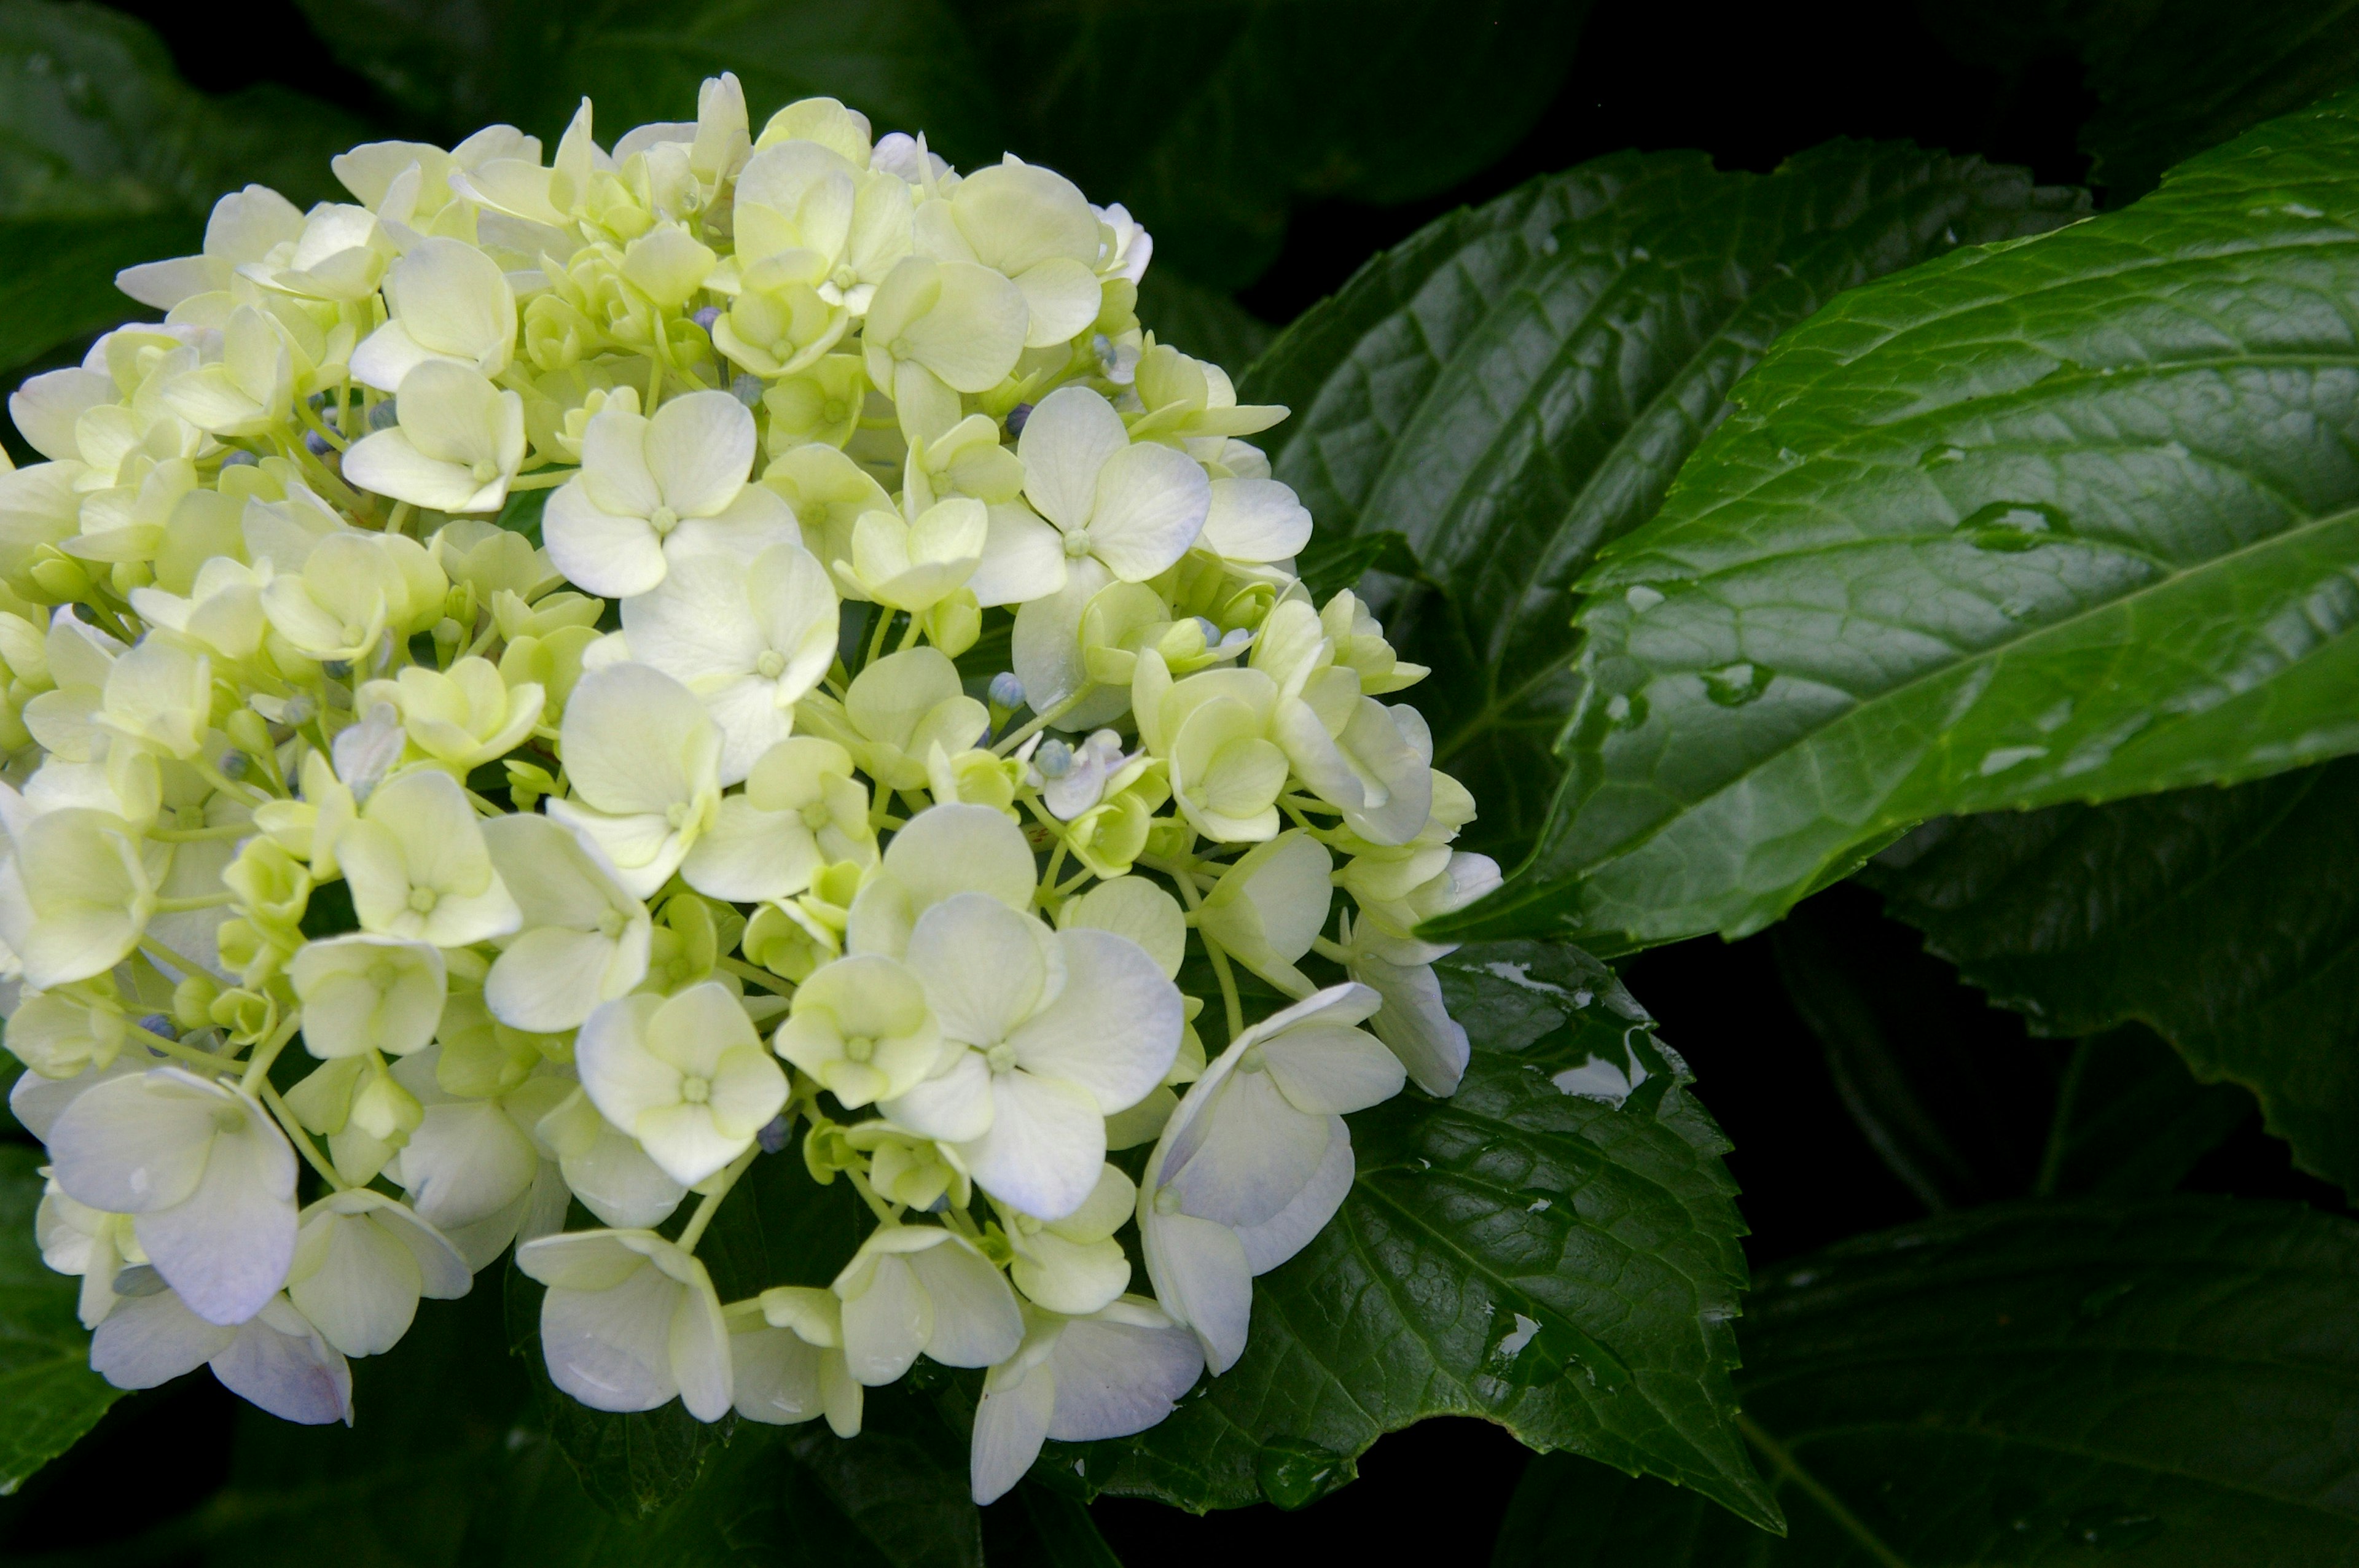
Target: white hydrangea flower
{"points": [[789, 1362], [919, 1288], [654, 488], [363, 993], [1257, 1159], [686, 1075], [630, 1321], [645, 762], [361, 1263], [205, 1173], [583, 940], [1113, 1372], [750, 638], [1059, 1030], [419, 867], [273, 1359]]}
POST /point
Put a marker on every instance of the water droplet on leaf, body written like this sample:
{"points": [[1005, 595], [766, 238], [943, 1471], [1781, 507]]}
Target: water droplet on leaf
{"points": [[1625, 712], [1734, 685], [1935, 457], [2012, 525], [1294, 1473], [2111, 1529]]}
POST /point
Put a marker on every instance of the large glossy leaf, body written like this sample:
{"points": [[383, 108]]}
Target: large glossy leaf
{"points": [[1563, 1265], [2068, 519], [2227, 920], [48, 1395], [1232, 111], [1954, 1099], [2165, 1384], [1515, 386], [108, 158]]}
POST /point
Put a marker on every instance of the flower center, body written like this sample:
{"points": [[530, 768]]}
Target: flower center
{"points": [[676, 813], [423, 900], [694, 1090], [1077, 544], [1252, 1061], [663, 520], [1000, 1057], [381, 974], [486, 470], [858, 1047], [610, 924], [771, 665], [816, 815], [1166, 1201]]}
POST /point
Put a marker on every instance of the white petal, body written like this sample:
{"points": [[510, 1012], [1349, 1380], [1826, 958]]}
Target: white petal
{"points": [[1121, 1372], [1045, 1143], [226, 1250], [976, 1320], [700, 449], [1150, 506], [1115, 1027], [148, 1340], [1202, 1278], [1011, 1422], [611, 1349], [1066, 440], [601, 552], [1289, 1230], [279, 1362]]}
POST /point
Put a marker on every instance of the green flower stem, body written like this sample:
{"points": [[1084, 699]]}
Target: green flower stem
{"points": [[705, 1210], [204, 901], [886, 1213], [1186, 877], [543, 478], [759, 976], [258, 1068], [189, 1054], [1327, 949], [311, 420], [301, 1139], [1086, 689]]}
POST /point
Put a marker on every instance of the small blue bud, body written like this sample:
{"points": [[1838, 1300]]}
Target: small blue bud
{"points": [[337, 669], [318, 446], [1234, 636], [748, 389], [706, 317], [1211, 632], [159, 1023], [234, 765], [240, 460], [773, 1134], [1017, 416], [383, 417], [1007, 691], [1054, 759]]}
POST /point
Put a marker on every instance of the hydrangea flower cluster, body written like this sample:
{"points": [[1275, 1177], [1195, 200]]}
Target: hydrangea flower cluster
{"points": [[593, 865]]}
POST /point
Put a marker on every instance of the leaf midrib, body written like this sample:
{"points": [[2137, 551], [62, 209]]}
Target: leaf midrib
{"points": [[1909, 688]]}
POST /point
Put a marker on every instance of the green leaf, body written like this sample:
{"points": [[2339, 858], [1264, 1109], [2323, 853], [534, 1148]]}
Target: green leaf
{"points": [[2168, 1380], [1571, 1512], [107, 159], [1564, 1266], [1962, 1107], [2226, 920], [1514, 387], [2057, 519], [56, 276], [48, 1395], [2131, 1121]]}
